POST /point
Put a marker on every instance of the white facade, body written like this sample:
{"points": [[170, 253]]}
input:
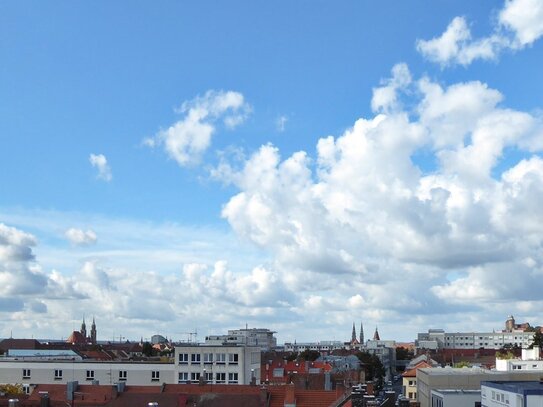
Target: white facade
{"points": [[323, 346], [455, 398], [530, 360], [473, 340], [263, 338], [60, 372], [512, 394], [226, 364]]}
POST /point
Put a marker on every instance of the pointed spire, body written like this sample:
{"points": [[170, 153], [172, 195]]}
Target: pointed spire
{"points": [[376, 335], [361, 333], [353, 337]]}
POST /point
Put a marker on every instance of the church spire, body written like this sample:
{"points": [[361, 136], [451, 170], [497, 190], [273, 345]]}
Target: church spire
{"points": [[93, 332], [84, 328], [361, 334], [353, 337], [376, 335]]}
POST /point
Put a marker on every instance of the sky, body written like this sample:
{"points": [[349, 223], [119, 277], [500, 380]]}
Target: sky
{"points": [[174, 167]]}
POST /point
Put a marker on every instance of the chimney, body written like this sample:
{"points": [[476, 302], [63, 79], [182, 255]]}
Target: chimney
{"points": [[13, 402], [290, 399], [327, 381], [120, 387], [152, 404]]}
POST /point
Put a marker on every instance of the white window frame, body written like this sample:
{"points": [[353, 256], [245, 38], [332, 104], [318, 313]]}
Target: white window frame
{"points": [[208, 358], [183, 378], [123, 375], [90, 375], [233, 378], [233, 358], [26, 373], [220, 377], [195, 359], [220, 358], [195, 377], [58, 374], [155, 375], [183, 358]]}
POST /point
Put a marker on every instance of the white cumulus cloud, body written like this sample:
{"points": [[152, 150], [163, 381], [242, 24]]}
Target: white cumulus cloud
{"points": [[187, 139], [520, 23]]}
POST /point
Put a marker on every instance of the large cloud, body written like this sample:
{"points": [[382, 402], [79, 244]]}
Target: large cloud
{"points": [[366, 210], [520, 23]]}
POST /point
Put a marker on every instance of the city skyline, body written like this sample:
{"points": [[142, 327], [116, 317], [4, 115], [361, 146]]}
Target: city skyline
{"points": [[291, 166]]}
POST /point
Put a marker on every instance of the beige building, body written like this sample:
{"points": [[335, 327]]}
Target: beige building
{"points": [[409, 381], [429, 379]]}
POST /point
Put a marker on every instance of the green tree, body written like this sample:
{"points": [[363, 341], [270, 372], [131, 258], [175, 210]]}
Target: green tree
{"points": [[373, 367], [538, 339], [463, 363], [291, 356], [310, 355], [402, 353], [148, 350]]}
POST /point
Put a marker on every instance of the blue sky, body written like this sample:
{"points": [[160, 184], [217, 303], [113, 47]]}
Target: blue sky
{"points": [[430, 196]]}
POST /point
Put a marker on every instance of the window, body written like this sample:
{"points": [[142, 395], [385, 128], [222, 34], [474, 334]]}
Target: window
{"points": [[232, 378], [208, 376], [208, 357], [155, 376], [123, 375], [195, 377], [233, 358], [26, 389], [183, 358], [220, 377], [26, 373], [90, 374], [183, 377], [58, 374], [195, 359], [221, 358]]}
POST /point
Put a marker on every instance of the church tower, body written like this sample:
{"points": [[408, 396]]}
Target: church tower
{"points": [[353, 336], [361, 334], [84, 329], [93, 332]]}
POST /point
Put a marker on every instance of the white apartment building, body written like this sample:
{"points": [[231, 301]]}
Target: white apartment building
{"points": [[223, 364], [512, 394], [530, 360], [263, 338], [323, 346], [31, 373], [473, 340]]}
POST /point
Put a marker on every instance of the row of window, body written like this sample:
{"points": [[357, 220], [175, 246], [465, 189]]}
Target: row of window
{"points": [[123, 374], [218, 358], [220, 378]]}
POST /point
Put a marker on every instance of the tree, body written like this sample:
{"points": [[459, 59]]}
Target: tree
{"points": [[310, 355], [373, 367], [148, 350], [463, 363], [12, 389], [292, 356], [538, 339], [402, 353]]}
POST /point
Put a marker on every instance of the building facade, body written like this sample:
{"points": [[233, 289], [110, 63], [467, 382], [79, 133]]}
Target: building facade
{"points": [[263, 338], [512, 394], [455, 398], [223, 364]]}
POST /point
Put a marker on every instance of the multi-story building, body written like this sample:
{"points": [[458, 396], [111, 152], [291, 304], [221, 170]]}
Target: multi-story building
{"points": [[323, 346], [385, 350], [455, 398], [462, 379], [511, 394], [222, 364], [530, 360], [514, 335], [263, 338]]}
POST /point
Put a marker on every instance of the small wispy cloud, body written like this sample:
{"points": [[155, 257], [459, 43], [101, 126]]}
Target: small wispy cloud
{"points": [[99, 161], [81, 237], [281, 122]]}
